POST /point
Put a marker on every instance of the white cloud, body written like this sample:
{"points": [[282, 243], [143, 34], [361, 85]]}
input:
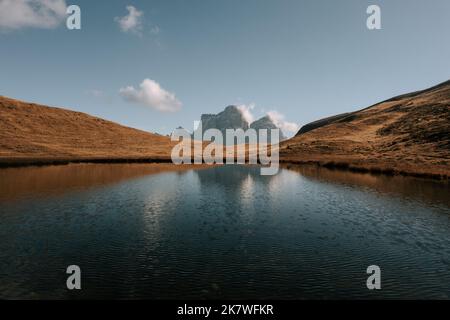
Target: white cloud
{"points": [[17, 14], [246, 111], [279, 120], [132, 22], [151, 94]]}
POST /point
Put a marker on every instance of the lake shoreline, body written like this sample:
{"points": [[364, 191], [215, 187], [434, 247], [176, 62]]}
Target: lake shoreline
{"points": [[39, 162], [387, 171], [333, 165]]}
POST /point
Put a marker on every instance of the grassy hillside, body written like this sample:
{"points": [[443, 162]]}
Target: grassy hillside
{"points": [[32, 132], [407, 134]]}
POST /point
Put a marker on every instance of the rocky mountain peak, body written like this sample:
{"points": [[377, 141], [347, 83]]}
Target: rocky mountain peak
{"points": [[233, 118]]}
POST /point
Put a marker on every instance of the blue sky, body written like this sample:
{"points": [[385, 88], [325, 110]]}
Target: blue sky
{"points": [[301, 59]]}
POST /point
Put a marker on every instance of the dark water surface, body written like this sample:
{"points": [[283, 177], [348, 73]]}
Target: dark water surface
{"points": [[223, 232]]}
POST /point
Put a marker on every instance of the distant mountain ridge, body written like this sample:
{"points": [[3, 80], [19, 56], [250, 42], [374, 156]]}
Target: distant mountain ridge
{"points": [[267, 123], [233, 118], [230, 118]]}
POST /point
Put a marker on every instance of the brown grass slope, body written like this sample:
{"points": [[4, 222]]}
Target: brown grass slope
{"points": [[34, 133], [408, 134]]}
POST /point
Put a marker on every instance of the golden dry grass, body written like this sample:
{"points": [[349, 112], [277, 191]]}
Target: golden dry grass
{"points": [[32, 132], [409, 134]]}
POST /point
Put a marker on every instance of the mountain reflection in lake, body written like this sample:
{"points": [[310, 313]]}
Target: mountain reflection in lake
{"points": [[223, 232]]}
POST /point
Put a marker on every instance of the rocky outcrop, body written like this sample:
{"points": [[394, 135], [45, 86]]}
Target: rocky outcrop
{"points": [[232, 118], [266, 123]]}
